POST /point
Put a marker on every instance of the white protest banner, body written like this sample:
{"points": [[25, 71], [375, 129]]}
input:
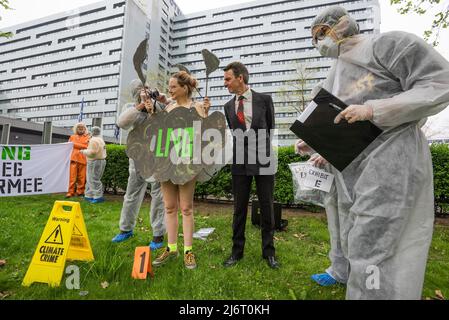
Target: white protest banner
{"points": [[319, 179], [34, 169]]}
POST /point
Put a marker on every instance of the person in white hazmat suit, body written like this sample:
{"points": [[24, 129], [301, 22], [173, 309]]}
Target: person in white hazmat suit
{"points": [[380, 214], [137, 185], [96, 163]]}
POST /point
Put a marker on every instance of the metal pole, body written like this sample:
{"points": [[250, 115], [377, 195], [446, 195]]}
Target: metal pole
{"points": [[6, 128], [47, 133], [97, 122]]}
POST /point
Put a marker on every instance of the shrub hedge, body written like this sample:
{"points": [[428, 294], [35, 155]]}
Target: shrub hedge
{"points": [[219, 187], [440, 157], [115, 177]]}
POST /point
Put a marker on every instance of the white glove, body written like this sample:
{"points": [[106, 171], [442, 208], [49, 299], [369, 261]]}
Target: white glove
{"points": [[355, 112], [302, 148], [318, 161]]}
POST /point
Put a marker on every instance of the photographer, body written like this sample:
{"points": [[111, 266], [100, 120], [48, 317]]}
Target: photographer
{"points": [[137, 186], [147, 99]]}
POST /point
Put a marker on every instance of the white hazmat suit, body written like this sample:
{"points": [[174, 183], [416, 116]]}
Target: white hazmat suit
{"points": [[137, 185], [381, 215]]}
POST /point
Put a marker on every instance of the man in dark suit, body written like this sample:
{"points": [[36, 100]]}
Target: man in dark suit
{"points": [[250, 115]]}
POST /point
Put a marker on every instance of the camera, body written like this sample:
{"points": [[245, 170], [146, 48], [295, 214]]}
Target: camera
{"points": [[153, 94], [149, 94]]}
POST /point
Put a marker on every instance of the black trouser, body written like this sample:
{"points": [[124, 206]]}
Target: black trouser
{"points": [[241, 186]]}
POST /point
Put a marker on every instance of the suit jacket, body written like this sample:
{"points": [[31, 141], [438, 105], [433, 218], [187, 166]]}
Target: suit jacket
{"points": [[258, 139]]}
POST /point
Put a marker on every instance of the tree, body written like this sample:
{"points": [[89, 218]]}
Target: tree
{"points": [[158, 80], [5, 5], [297, 87], [441, 18]]}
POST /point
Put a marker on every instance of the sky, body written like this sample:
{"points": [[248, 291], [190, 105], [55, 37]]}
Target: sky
{"points": [[25, 10]]}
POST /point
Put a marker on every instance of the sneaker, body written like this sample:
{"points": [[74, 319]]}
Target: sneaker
{"points": [[189, 260], [88, 199], [157, 243], [99, 200], [123, 236], [69, 195], [164, 257]]}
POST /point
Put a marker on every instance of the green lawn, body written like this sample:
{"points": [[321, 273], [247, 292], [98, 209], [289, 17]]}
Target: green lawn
{"points": [[302, 251]]}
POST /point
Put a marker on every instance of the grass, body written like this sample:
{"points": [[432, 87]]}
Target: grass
{"points": [[302, 251]]}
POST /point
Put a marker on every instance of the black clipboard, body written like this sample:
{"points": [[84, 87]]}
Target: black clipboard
{"points": [[339, 143]]}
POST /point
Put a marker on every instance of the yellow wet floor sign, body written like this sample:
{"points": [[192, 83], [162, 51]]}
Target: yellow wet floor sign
{"points": [[64, 238]]}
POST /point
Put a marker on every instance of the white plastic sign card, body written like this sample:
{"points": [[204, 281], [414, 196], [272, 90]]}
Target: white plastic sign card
{"points": [[318, 179]]}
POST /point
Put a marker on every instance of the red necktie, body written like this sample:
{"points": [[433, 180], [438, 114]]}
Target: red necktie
{"points": [[240, 113]]}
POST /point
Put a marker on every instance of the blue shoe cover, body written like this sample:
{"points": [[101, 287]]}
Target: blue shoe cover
{"points": [[99, 200], [156, 245], [324, 279], [122, 237]]}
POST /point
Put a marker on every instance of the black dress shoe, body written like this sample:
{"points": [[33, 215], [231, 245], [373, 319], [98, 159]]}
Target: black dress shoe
{"points": [[272, 263], [231, 261]]}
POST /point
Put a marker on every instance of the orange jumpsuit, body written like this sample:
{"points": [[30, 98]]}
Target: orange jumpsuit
{"points": [[78, 164]]}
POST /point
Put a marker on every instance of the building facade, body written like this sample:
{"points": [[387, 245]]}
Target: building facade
{"points": [[54, 63], [28, 133], [273, 39]]}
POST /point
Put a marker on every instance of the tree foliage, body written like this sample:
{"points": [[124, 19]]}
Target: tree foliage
{"points": [[115, 177], [5, 5], [421, 7], [158, 80], [440, 157], [296, 88]]}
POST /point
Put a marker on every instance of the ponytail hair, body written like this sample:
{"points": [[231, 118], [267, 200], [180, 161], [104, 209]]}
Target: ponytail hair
{"points": [[185, 79]]}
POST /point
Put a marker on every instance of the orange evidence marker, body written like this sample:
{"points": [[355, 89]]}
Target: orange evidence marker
{"points": [[142, 263]]}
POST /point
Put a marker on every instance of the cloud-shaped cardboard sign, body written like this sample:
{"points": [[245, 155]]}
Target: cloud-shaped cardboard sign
{"points": [[180, 145]]}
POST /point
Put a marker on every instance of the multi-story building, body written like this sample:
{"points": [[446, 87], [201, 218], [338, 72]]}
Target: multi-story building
{"points": [[273, 39], [54, 63]]}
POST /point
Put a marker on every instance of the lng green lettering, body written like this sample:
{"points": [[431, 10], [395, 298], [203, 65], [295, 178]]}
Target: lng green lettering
{"points": [[16, 153], [182, 141]]}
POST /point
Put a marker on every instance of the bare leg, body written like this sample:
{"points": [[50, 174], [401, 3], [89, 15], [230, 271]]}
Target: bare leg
{"points": [[186, 193], [170, 195]]}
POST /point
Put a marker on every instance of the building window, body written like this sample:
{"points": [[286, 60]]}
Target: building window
{"points": [[119, 5]]}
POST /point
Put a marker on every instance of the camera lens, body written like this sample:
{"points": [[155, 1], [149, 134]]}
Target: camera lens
{"points": [[154, 94]]}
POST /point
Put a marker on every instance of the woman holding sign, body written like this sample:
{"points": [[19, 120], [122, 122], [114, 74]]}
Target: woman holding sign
{"points": [[181, 87]]}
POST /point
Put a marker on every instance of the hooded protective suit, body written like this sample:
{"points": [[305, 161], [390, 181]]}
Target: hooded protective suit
{"points": [[96, 163], [381, 213], [137, 185]]}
